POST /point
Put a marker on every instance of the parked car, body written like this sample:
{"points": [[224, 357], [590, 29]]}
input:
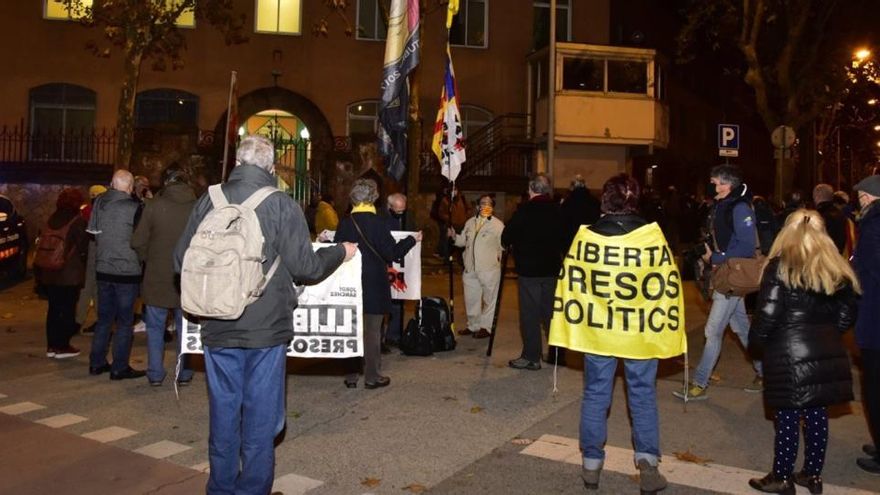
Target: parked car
{"points": [[13, 240]]}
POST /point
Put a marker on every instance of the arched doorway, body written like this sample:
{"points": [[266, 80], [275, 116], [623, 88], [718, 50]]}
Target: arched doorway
{"points": [[298, 128]]}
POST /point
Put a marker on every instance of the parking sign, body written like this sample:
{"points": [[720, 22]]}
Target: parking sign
{"points": [[728, 140]]}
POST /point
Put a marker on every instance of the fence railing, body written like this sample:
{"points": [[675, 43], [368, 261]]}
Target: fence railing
{"points": [[18, 144]]}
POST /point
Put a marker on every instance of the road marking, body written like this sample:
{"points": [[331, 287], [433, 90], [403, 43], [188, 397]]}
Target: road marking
{"points": [[714, 477], [110, 434], [3, 396], [61, 420], [163, 449], [21, 408], [294, 484], [203, 467]]}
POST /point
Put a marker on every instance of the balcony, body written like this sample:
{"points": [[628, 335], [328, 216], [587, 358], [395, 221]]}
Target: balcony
{"points": [[604, 95]]}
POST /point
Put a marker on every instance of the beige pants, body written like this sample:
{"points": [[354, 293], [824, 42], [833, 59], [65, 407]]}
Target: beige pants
{"points": [[480, 296]]}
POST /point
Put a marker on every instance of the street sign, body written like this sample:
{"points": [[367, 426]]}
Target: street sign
{"points": [[782, 137], [728, 140]]}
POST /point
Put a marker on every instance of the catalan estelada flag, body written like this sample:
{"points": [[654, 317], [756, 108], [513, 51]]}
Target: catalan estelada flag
{"points": [[448, 143], [401, 57]]}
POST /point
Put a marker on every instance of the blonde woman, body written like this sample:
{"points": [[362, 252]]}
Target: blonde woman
{"points": [[807, 299]]}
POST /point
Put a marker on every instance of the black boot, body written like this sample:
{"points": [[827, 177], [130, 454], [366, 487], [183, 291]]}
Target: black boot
{"points": [[812, 482], [772, 484]]}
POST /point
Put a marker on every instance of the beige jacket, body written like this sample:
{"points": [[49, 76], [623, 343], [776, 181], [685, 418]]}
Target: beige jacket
{"points": [[481, 240]]}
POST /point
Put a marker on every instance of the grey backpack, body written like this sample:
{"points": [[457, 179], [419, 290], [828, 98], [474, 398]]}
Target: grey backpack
{"points": [[223, 266]]}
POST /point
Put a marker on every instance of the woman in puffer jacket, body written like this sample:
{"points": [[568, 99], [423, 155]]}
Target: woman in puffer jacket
{"points": [[807, 300]]}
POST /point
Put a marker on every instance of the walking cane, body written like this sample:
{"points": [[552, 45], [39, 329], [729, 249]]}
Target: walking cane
{"points": [[497, 302]]}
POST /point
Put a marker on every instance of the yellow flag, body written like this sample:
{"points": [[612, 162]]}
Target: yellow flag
{"points": [[620, 296], [451, 11]]}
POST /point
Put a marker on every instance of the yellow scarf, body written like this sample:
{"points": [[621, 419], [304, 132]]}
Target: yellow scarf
{"points": [[364, 208]]}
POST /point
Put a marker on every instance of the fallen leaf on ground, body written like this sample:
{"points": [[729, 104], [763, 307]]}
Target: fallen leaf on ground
{"points": [[10, 330], [522, 441], [294, 414], [415, 488], [7, 316], [449, 397], [715, 378], [371, 482], [476, 409], [691, 457]]}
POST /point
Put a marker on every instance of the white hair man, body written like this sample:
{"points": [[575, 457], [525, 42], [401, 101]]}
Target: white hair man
{"points": [[397, 219], [118, 276], [245, 358]]}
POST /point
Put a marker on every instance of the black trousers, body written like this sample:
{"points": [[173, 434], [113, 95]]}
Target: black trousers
{"points": [[871, 391], [535, 310], [61, 315]]}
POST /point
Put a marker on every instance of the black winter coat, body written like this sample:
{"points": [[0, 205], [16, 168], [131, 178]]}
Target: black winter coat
{"points": [[374, 268], [805, 363], [537, 233]]}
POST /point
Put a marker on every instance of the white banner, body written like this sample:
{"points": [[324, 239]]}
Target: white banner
{"points": [[327, 322], [406, 279]]}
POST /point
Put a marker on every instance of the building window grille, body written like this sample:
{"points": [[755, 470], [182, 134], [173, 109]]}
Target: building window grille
{"points": [[473, 118], [61, 115], [363, 118], [166, 108]]}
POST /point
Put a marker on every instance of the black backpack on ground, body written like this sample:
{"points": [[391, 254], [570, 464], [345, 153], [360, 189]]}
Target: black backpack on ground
{"points": [[430, 330]]}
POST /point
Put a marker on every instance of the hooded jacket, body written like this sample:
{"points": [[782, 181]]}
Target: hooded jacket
{"points": [[154, 240], [734, 227], [268, 321], [805, 362]]}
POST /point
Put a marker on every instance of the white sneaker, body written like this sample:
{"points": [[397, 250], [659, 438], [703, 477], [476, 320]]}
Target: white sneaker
{"points": [[140, 327]]}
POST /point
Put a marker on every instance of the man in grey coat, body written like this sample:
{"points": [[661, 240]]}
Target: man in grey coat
{"points": [[118, 274], [245, 358], [154, 240]]}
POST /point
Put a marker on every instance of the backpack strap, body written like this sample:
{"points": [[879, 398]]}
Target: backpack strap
{"points": [[255, 199], [217, 197]]}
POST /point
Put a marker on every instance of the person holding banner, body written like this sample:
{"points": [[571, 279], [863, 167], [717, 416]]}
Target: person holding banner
{"points": [[397, 219], [620, 297], [807, 299], [370, 231], [481, 240], [245, 359]]}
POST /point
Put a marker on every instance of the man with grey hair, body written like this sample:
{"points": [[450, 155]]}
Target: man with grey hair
{"points": [[397, 218], [537, 234], [245, 358], [118, 276], [835, 219]]}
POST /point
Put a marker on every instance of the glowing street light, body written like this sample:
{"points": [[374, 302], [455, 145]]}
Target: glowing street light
{"points": [[862, 54], [872, 101], [877, 127]]}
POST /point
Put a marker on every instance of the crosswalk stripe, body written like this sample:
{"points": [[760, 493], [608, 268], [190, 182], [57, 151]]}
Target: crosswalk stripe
{"points": [[202, 467], [21, 408], [110, 434], [709, 476], [163, 449], [294, 484], [61, 420]]}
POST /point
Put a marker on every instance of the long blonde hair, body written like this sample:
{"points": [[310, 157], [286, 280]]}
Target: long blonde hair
{"points": [[808, 258]]}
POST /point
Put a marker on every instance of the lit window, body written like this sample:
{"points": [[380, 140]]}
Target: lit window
{"points": [[370, 24], [166, 108], [541, 26], [473, 118], [62, 122], [279, 16], [363, 118], [469, 26], [55, 9], [185, 19]]}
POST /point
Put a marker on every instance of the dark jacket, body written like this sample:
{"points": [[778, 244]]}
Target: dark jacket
{"points": [[374, 268], [611, 225], [77, 244], [835, 223], [734, 226], [114, 216], [798, 332], [867, 264], [579, 208], [154, 240], [537, 234], [268, 321]]}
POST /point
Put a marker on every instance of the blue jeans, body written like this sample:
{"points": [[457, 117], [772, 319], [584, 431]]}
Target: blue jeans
{"points": [[154, 318], [641, 391], [725, 310], [115, 304], [246, 403]]}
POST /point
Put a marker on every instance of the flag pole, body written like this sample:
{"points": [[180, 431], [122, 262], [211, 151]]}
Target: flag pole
{"points": [[451, 267], [226, 127]]}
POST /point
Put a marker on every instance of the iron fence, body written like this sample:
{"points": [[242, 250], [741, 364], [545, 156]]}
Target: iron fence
{"points": [[19, 145]]}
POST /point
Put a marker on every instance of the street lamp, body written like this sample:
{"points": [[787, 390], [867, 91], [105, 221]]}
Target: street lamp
{"points": [[860, 56]]}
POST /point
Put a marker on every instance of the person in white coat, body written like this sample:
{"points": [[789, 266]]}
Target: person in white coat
{"points": [[481, 240]]}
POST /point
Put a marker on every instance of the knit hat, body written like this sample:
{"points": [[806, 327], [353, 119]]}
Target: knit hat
{"points": [[96, 191], [870, 185]]}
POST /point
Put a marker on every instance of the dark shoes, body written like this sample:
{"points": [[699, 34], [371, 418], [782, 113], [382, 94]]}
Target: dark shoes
{"points": [[184, 383], [869, 464], [68, 351], [650, 479], [349, 384], [870, 450], [524, 364], [812, 482], [97, 370], [155, 383], [89, 329], [383, 381], [465, 331], [127, 374], [481, 334], [772, 484]]}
